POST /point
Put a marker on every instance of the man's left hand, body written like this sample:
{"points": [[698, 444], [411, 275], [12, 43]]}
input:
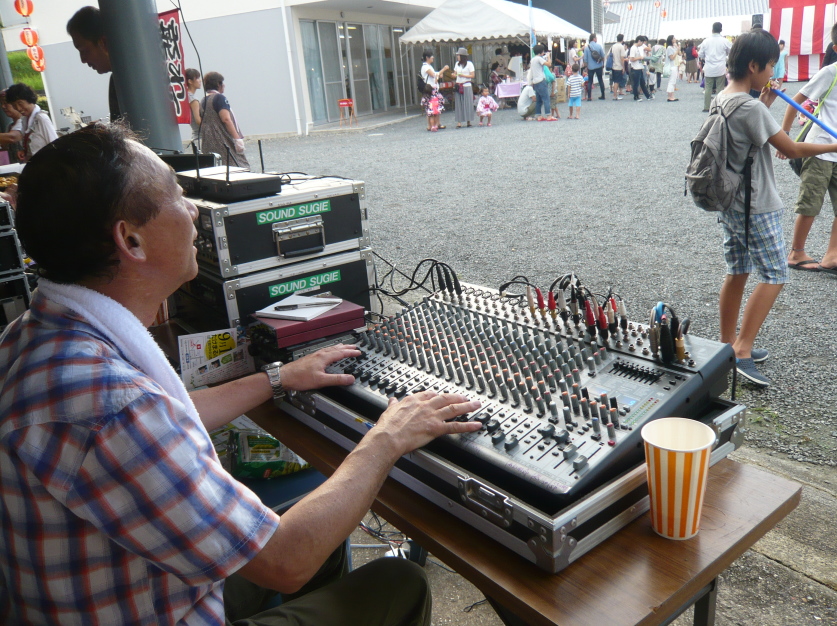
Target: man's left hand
{"points": [[309, 371]]}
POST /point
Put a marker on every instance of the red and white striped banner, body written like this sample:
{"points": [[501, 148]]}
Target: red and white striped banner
{"points": [[805, 26]]}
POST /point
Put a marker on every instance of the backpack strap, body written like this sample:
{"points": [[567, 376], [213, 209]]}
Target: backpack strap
{"points": [[748, 183], [748, 170]]}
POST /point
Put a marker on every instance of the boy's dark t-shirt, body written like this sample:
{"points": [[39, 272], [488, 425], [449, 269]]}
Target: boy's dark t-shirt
{"points": [[752, 124]]}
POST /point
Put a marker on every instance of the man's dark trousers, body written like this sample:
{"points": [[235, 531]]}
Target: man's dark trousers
{"points": [[598, 73], [637, 80]]}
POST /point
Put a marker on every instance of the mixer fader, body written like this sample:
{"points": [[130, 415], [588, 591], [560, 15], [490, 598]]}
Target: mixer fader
{"points": [[563, 399]]}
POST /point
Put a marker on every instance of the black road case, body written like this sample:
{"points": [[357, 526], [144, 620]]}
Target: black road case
{"points": [[311, 217], [348, 276]]}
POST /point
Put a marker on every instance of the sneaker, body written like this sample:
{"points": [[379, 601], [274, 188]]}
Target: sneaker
{"points": [[620, 98], [747, 369], [759, 355]]}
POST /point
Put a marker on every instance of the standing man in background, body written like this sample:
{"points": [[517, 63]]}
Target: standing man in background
{"points": [[594, 58], [88, 33], [617, 51], [636, 56], [713, 54]]}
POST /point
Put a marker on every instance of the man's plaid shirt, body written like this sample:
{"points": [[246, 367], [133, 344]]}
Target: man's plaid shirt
{"points": [[113, 506]]}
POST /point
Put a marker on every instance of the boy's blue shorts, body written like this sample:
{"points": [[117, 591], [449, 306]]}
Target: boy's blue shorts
{"points": [[766, 256], [575, 101]]}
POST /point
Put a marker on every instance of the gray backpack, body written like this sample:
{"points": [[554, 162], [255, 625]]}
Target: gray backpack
{"points": [[709, 178]]}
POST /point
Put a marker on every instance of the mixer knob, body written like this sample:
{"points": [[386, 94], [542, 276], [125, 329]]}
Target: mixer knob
{"points": [[579, 463], [561, 436], [546, 431], [511, 442], [570, 451], [498, 437], [483, 417], [492, 425]]}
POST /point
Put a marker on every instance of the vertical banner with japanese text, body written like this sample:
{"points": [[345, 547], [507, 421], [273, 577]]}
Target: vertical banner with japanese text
{"points": [[175, 67]]}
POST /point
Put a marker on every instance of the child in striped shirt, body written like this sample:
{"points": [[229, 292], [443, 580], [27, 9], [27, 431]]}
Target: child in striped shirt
{"points": [[575, 84]]}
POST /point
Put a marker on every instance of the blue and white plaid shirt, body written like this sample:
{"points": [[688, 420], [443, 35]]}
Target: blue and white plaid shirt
{"points": [[114, 508]]}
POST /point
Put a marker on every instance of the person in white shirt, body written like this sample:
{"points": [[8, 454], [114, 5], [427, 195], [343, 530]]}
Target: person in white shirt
{"points": [[431, 77], [819, 174], [617, 51], [38, 129], [672, 52], [538, 82], [713, 53], [464, 94], [526, 103], [636, 57]]}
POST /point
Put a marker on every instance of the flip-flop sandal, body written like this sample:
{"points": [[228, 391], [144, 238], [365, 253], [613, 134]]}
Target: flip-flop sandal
{"points": [[827, 270], [801, 266]]}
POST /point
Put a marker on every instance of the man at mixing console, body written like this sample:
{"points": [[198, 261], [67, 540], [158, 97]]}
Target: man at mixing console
{"points": [[115, 507]]}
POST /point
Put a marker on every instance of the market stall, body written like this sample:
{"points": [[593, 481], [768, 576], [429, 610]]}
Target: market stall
{"points": [[483, 25], [489, 21]]}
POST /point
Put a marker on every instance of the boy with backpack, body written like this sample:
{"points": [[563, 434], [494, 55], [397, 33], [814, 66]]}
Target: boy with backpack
{"points": [[742, 127]]}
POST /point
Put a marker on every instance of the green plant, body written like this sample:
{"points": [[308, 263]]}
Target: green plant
{"points": [[22, 71]]}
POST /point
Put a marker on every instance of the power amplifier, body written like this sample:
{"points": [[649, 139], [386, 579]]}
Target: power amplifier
{"points": [[310, 218]]}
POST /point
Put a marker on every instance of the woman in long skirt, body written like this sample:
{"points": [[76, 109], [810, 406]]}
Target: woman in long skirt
{"points": [[464, 93]]}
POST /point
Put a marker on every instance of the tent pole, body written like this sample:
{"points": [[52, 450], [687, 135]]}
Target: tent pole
{"points": [[403, 87], [531, 32]]}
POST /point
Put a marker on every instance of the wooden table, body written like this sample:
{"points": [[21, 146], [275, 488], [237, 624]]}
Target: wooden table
{"points": [[634, 577]]}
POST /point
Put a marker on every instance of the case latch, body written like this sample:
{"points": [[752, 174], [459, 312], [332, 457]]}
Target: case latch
{"points": [[493, 506], [299, 237]]}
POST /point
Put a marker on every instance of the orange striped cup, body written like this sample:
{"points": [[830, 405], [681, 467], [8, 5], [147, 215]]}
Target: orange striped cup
{"points": [[677, 462]]}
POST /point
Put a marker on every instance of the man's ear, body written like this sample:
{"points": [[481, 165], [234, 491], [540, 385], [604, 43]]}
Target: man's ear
{"points": [[129, 241]]}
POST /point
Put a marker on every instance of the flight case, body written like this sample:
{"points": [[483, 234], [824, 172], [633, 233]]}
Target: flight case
{"points": [[551, 539], [349, 276], [310, 218]]}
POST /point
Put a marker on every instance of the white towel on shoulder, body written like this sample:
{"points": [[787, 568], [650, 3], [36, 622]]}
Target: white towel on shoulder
{"points": [[124, 330]]}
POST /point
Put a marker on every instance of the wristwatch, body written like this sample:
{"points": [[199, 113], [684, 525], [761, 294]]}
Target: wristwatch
{"points": [[274, 375]]}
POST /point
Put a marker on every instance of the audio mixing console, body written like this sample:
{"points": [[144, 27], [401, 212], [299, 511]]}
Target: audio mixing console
{"points": [[561, 409], [562, 401]]}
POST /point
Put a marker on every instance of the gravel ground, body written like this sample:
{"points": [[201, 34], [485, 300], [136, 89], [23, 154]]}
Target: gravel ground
{"points": [[603, 197]]}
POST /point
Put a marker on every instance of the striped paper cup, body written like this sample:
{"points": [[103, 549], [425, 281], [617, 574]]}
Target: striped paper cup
{"points": [[677, 461]]}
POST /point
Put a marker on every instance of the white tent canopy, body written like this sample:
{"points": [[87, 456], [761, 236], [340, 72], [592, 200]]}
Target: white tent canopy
{"points": [[488, 20]]}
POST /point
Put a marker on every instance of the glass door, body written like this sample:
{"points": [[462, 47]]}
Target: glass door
{"points": [[375, 63], [385, 34], [332, 69], [358, 69], [404, 74], [314, 71]]}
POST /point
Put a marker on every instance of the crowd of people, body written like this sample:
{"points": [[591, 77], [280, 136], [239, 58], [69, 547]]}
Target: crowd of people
{"points": [[637, 67]]}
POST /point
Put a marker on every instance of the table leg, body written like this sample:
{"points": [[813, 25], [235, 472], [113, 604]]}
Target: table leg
{"points": [[705, 606]]}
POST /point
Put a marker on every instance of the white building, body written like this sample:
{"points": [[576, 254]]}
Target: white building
{"points": [[281, 77]]}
